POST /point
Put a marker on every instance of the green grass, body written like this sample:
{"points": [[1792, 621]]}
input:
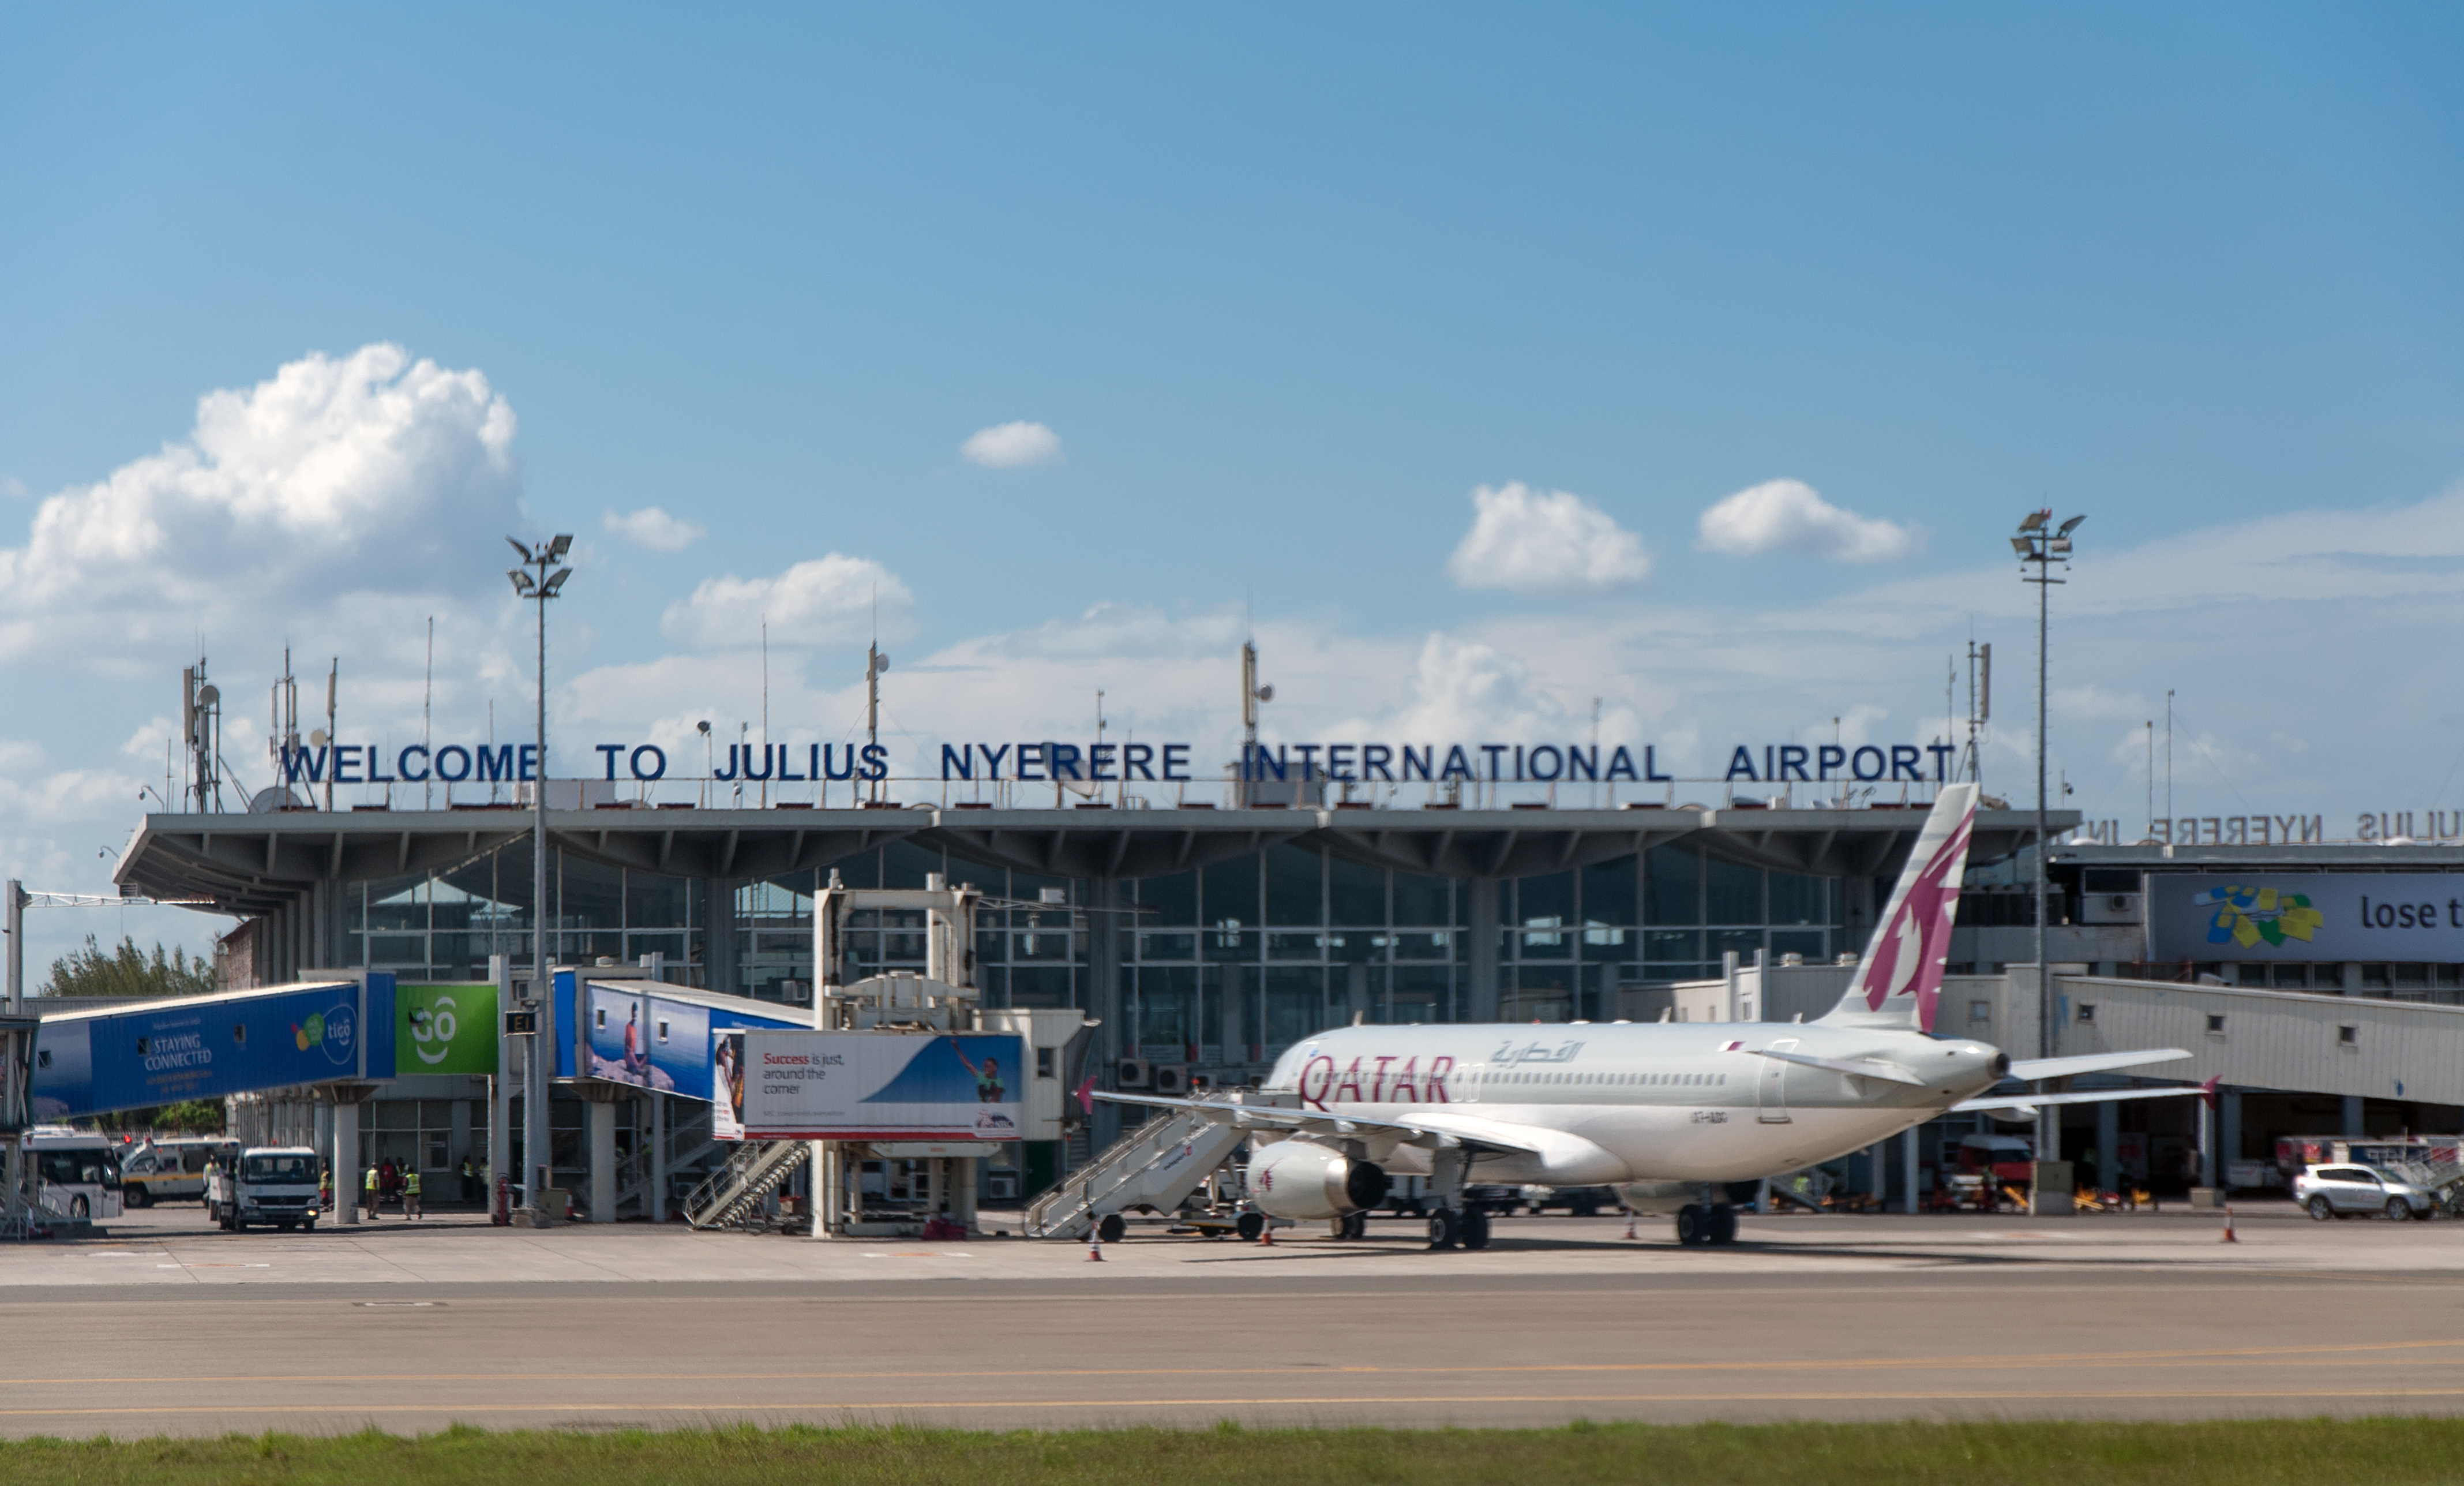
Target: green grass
{"points": [[2385, 1451]]}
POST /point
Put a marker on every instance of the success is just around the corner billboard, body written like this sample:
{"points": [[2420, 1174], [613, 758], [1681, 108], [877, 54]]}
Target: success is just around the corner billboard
{"points": [[880, 1086]]}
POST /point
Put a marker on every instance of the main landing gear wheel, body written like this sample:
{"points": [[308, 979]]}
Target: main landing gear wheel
{"points": [[1723, 1226], [1446, 1229], [1249, 1225], [1474, 1233], [1352, 1225], [1693, 1225], [1112, 1228]]}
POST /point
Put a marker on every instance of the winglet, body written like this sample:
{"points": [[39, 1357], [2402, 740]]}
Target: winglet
{"points": [[1900, 980], [1086, 1096]]}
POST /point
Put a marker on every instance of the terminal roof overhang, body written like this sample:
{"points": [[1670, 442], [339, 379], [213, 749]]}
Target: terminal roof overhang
{"points": [[254, 864]]}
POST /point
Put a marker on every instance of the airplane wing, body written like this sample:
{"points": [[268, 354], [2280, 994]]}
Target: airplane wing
{"points": [[2092, 1063], [2030, 1102], [1436, 1128]]}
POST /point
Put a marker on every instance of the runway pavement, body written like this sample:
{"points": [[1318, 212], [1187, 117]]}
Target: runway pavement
{"points": [[164, 1326]]}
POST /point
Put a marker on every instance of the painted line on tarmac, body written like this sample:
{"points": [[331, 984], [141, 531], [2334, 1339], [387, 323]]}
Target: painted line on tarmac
{"points": [[1313, 1401], [2256, 1355]]}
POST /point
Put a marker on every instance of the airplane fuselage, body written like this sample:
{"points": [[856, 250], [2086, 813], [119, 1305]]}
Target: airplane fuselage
{"points": [[1638, 1102]]}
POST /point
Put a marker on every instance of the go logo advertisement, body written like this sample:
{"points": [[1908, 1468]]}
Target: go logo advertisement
{"points": [[444, 1029]]}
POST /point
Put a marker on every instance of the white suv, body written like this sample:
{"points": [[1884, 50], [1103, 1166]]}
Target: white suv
{"points": [[2342, 1192]]}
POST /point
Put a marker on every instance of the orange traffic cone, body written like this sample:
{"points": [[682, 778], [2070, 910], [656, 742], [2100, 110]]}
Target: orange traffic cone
{"points": [[1094, 1246], [1266, 1234], [2228, 1232]]}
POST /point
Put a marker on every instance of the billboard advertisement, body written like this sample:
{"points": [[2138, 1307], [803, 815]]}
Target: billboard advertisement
{"points": [[444, 1029], [881, 1086], [2314, 915], [202, 1049], [648, 1041], [727, 1086]]}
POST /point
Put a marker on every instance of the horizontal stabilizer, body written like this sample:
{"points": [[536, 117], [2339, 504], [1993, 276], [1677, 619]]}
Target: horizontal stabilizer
{"points": [[2032, 1101], [2092, 1063]]}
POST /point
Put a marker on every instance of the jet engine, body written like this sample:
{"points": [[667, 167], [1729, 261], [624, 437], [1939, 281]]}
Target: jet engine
{"points": [[1295, 1179]]}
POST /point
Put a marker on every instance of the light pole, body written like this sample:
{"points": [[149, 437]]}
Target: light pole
{"points": [[536, 1153], [2044, 548]]}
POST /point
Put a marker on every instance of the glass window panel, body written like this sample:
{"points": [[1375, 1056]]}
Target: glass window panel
{"points": [[1800, 899], [904, 864], [1671, 946], [1230, 949], [1355, 946], [653, 901], [398, 949], [670, 946], [1295, 946], [1040, 986], [1295, 1005], [1609, 945], [1423, 901], [1732, 894], [1799, 942], [1026, 887], [397, 903], [459, 955], [1231, 889], [1542, 993], [1424, 993], [1355, 894], [1167, 946], [1440, 946], [1168, 901], [1672, 885], [1745, 942], [1547, 900], [1295, 885], [1167, 1007], [1609, 892], [589, 895], [1047, 945], [991, 948]]}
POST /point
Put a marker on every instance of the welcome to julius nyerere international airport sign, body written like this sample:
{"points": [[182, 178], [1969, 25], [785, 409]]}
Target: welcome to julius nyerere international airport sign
{"points": [[1105, 763]]}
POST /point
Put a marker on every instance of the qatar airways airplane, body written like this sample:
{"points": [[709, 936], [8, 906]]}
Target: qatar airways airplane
{"points": [[1670, 1114]]}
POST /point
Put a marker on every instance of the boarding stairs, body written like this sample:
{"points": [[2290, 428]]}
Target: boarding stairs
{"points": [[734, 1192], [1156, 1165]]}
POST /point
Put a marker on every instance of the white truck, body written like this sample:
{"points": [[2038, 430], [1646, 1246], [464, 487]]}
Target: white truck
{"points": [[272, 1185]]}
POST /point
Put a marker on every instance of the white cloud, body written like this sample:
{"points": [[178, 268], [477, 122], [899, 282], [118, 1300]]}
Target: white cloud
{"points": [[825, 601], [335, 480], [1010, 446], [1532, 542], [654, 528], [1790, 516]]}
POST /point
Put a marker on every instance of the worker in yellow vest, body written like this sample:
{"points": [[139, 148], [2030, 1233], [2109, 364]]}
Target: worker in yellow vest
{"points": [[371, 1185], [410, 1192]]}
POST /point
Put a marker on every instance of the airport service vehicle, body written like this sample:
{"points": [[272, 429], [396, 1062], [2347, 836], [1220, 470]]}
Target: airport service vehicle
{"points": [[77, 1172], [170, 1170], [2345, 1191], [272, 1185], [1675, 1115]]}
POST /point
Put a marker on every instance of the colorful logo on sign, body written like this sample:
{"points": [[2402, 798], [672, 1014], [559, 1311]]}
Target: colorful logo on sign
{"points": [[446, 1028], [2245, 915]]}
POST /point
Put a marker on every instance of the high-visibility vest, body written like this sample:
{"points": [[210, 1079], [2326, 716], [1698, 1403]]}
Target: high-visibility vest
{"points": [[372, 1179], [410, 1183]]}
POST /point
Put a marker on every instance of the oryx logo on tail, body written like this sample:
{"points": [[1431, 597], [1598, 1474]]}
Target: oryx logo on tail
{"points": [[1903, 967]]}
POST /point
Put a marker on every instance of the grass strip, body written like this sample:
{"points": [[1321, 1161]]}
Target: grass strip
{"points": [[2254, 1453]]}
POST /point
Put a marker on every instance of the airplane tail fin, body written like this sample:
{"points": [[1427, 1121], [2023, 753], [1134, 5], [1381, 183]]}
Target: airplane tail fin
{"points": [[1898, 981]]}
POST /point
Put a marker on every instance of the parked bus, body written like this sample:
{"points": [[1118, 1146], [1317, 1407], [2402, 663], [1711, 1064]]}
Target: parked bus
{"points": [[77, 1172]]}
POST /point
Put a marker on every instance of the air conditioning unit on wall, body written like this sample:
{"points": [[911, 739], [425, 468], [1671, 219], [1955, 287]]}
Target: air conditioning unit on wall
{"points": [[1000, 1188], [1170, 1078], [1132, 1072]]}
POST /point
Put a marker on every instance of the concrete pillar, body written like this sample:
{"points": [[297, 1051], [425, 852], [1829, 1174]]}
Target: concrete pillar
{"points": [[457, 1146], [1908, 1168], [346, 1163], [601, 1159], [2109, 1148], [2228, 1134], [1878, 1164], [2206, 1132], [657, 1206], [1480, 914], [2352, 1117], [962, 1201], [1102, 998]]}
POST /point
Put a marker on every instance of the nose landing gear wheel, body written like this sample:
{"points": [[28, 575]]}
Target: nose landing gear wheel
{"points": [[1249, 1225], [1692, 1224], [1475, 1229], [1444, 1229], [1112, 1229]]}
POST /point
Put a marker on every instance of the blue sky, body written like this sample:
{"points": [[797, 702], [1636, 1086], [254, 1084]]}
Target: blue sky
{"points": [[1287, 287]]}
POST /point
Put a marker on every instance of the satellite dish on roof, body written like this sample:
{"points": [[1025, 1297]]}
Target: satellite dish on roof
{"points": [[208, 695], [316, 739], [275, 797]]}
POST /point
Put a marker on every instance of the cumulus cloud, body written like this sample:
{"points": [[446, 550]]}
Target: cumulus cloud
{"points": [[1010, 446], [1534, 541], [1790, 516], [364, 474], [825, 601], [654, 528]]}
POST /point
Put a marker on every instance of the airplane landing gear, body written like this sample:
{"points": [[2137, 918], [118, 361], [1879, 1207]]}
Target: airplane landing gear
{"points": [[1446, 1229], [1700, 1225], [1474, 1228]]}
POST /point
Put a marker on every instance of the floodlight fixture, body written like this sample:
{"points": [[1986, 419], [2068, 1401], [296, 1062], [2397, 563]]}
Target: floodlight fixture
{"points": [[555, 581], [516, 543], [561, 546], [2036, 521], [2069, 526], [2022, 546], [523, 584], [2058, 544]]}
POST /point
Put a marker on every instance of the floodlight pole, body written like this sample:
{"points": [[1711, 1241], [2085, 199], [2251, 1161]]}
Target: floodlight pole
{"points": [[539, 1066], [2035, 543]]}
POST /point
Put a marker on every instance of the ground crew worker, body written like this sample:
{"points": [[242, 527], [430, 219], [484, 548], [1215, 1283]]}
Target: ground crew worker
{"points": [[470, 1181], [410, 1191], [372, 1184], [326, 1189]]}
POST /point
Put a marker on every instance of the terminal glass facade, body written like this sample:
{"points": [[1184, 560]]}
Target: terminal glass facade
{"points": [[1227, 963]]}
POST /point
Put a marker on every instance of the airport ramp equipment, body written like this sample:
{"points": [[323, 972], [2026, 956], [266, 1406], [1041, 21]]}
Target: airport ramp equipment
{"points": [[1155, 1166], [734, 1192]]}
